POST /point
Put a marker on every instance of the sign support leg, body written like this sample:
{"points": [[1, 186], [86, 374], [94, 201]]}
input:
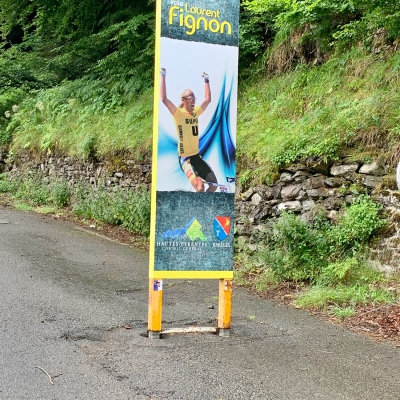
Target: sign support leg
{"points": [[225, 307], [155, 309]]}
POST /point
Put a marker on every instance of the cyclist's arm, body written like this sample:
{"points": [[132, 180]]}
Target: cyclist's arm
{"points": [[163, 93], [207, 94]]}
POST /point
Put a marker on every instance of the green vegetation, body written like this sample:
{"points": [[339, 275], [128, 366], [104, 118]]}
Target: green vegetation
{"points": [[294, 116], [321, 253], [318, 80], [34, 192], [329, 257], [77, 82], [344, 297], [71, 72], [129, 209], [63, 120]]}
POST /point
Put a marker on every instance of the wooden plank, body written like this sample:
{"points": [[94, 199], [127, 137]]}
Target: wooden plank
{"points": [[155, 305], [225, 304], [191, 329]]}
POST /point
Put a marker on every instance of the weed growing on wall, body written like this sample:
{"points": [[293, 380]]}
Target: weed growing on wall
{"points": [[296, 251], [355, 227], [327, 256], [299, 251]]}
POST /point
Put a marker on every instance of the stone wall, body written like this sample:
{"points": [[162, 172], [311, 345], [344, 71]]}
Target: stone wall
{"points": [[309, 190], [120, 171], [301, 189]]}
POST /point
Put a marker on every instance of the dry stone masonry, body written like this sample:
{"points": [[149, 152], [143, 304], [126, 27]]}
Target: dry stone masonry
{"points": [[123, 172]]}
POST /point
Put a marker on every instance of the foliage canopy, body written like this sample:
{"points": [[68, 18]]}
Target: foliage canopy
{"points": [[74, 70]]}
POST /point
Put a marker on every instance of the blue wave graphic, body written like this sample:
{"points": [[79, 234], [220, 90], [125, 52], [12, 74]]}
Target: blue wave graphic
{"points": [[166, 144], [218, 133]]}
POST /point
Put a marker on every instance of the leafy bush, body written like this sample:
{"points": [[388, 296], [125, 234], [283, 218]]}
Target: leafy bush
{"points": [[130, 209], [356, 226], [36, 192], [60, 193], [336, 273], [296, 251], [95, 204], [8, 186], [33, 191], [324, 253], [135, 215]]}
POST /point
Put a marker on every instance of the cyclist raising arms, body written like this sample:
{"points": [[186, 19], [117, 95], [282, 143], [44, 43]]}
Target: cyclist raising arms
{"points": [[187, 128]]}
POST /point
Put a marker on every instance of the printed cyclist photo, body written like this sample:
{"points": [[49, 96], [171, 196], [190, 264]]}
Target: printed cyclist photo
{"points": [[194, 167], [196, 117]]}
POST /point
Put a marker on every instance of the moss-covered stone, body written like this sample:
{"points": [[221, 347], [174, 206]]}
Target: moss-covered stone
{"points": [[387, 230], [395, 217], [389, 182]]}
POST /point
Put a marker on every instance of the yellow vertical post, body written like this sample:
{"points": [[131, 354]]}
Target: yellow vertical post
{"points": [[225, 307], [155, 308]]}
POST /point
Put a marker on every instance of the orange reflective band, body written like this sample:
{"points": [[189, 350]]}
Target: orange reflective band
{"points": [[187, 168]]}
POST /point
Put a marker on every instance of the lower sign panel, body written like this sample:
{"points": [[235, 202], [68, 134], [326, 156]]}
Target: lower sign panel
{"points": [[194, 231]]}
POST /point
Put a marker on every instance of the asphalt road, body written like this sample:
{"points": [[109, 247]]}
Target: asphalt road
{"points": [[67, 297]]}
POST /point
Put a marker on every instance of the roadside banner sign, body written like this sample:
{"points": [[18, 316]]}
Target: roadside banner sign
{"points": [[194, 140]]}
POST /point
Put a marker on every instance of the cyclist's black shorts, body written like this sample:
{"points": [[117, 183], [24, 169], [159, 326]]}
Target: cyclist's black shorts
{"points": [[200, 167]]}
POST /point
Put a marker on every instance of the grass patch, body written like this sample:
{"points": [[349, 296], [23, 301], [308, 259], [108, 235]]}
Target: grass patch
{"points": [[321, 297], [342, 312], [127, 208], [22, 206], [352, 100], [63, 120]]}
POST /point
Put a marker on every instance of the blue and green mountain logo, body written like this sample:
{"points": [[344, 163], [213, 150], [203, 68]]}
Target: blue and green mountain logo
{"points": [[192, 229]]}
